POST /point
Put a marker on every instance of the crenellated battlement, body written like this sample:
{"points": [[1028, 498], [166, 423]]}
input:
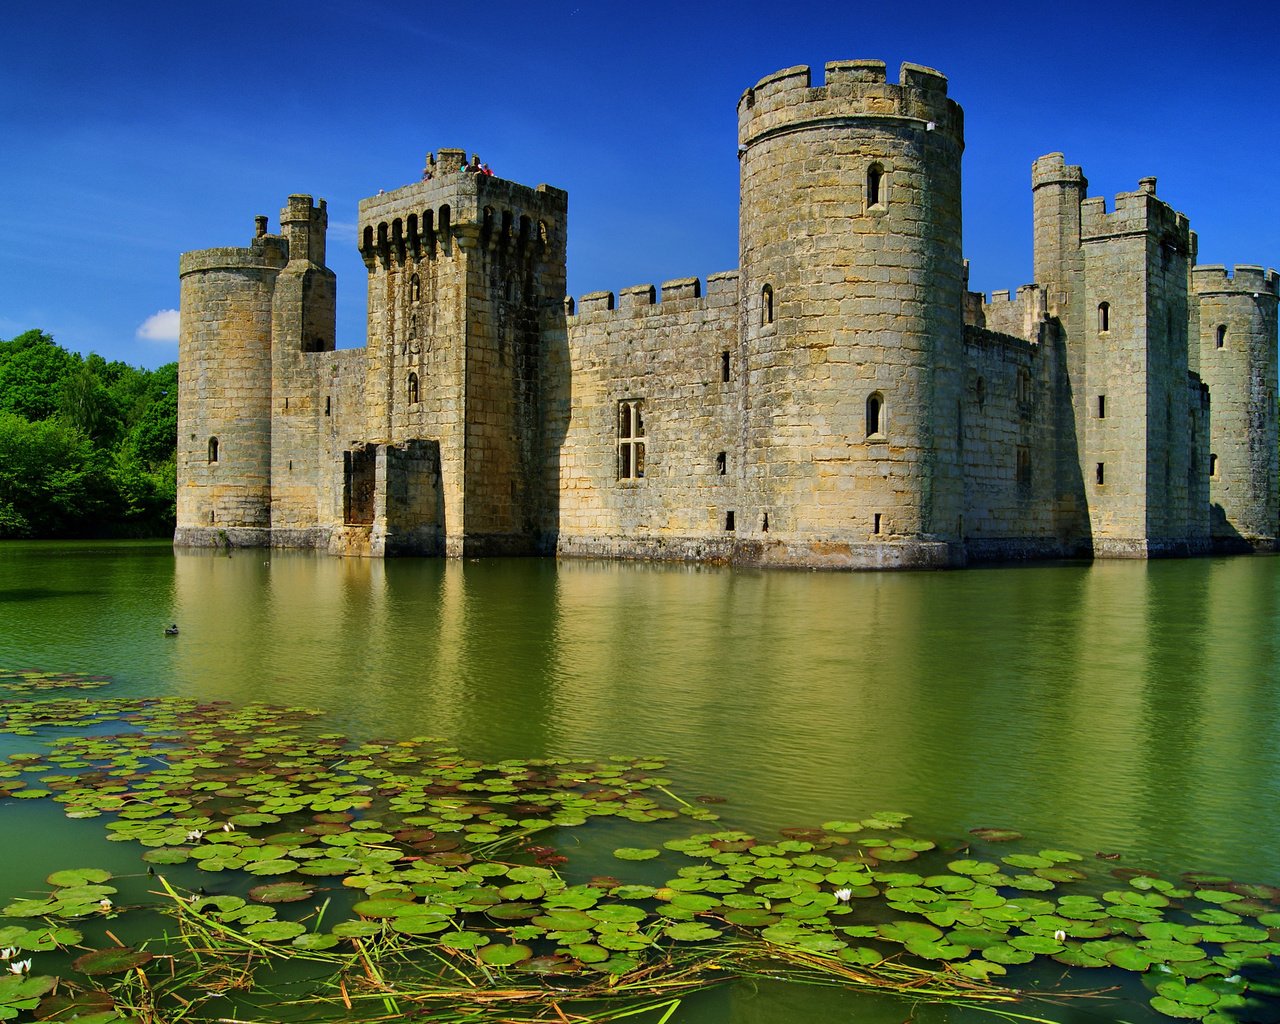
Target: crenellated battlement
{"points": [[1213, 279], [1015, 314], [1135, 212], [853, 90], [265, 252], [679, 294], [1053, 169], [474, 209]]}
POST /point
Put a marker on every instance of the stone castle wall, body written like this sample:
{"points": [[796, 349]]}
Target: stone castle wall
{"points": [[672, 358], [840, 400]]}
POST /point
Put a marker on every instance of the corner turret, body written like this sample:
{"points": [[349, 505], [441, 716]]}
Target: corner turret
{"points": [[1238, 336]]}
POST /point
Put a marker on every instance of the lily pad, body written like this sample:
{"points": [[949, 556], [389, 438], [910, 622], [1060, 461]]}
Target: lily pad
{"points": [[113, 960]]}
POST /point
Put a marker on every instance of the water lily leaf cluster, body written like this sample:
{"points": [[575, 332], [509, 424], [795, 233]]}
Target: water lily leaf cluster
{"points": [[31, 680], [398, 856]]}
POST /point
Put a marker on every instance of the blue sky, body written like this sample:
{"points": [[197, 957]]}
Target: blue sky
{"points": [[135, 131]]}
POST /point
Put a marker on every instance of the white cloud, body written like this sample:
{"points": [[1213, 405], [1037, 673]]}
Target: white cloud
{"points": [[161, 326]]}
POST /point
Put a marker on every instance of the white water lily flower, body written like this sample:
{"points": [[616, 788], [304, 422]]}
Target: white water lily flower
{"points": [[195, 835], [843, 895], [104, 904], [1059, 936], [228, 827], [7, 953], [20, 966]]}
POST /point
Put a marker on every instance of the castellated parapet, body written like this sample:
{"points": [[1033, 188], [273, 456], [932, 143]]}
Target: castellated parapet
{"points": [[839, 400]]}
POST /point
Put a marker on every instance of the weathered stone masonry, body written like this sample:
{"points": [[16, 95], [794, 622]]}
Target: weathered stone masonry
{"points": [[839, 400]]}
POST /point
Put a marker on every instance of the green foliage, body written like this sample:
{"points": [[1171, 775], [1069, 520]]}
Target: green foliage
{"points": [[32, 368], [87, 447]]}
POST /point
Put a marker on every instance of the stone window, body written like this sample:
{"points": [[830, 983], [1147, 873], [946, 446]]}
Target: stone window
{"points": [[980, 391], [1024, 387], [1220, 336], [631, 439], [876, 186], [213, 449], [1024, 466], [328, 404], [1213, 466], [415, 288], [722, 463], [728, 521], [1102, 407], [1100, 474], [764, 523], [724, 367], [766, 305], [1104, 317], [875, 523], [413, 389], [875, 416]]}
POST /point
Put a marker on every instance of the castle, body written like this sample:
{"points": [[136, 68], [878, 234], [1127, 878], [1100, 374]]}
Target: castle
{"points": [[840, 400]]}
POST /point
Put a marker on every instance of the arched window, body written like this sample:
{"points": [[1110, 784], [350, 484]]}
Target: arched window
{"points": [[1220, 336], [875, 186], [875, 415], [213, 449], [766, 305], [1213, 466], [415, 288], [1104, 317], [413, 389]]}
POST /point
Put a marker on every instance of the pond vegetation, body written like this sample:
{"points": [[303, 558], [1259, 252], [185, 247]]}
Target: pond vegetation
{"points": [[287, 872]]}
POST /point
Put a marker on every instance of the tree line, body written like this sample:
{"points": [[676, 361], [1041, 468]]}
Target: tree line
{"points": [[86, 446]]}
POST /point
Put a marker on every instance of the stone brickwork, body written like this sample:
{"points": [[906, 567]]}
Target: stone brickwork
{"points": [[840, 400], [1237, 348]]}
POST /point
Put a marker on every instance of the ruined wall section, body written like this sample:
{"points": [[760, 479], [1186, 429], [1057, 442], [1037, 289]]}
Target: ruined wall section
{"points": [[1237, 346], [852, 307], [648, 375], [224, 393]]}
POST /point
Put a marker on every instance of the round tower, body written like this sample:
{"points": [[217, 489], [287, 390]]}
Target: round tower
{"points": [[1238, 362], [852, 298], [224, 392]]}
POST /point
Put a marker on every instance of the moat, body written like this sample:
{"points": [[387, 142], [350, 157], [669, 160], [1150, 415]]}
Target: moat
{"points": [[1125, 708]]}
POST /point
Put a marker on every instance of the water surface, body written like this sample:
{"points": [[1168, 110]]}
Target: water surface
{"points": [[1122, 707]]}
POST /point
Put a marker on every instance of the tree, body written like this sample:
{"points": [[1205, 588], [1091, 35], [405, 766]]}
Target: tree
{"points": [[53, 482], [32, 368]]}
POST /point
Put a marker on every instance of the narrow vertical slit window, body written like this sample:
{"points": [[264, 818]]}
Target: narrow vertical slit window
{"points": [[631, 439], [875, 415], [1104, 317], [328, 404], [1213, 465], [875, 523], [875, 186], [724, 367], [1100, 473], [213, 449], [413, 389], [1102, 407], [722, 463], [764, 523], [766, 305], [1220, 336], [728, 521]]}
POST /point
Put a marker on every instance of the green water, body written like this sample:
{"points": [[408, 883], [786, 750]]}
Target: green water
{"points": [[1125, 708]]}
